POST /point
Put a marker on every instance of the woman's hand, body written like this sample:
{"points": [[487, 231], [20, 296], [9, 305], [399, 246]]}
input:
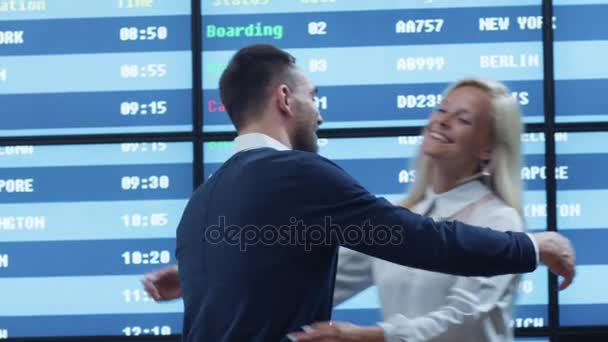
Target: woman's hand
{"points": [[338, 332], [163, 284]]}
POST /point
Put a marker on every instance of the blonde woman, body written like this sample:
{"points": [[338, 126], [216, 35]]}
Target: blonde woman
{"points": [[468, 169]]}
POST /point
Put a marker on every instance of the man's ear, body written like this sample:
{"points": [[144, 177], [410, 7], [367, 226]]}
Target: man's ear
{"points": [[283, 98]]}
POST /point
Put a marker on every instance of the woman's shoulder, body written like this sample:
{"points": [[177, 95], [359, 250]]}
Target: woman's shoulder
{"points": [[491, 211]]}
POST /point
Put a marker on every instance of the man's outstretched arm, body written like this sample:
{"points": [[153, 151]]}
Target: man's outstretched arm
{"points": [[414, 240]]}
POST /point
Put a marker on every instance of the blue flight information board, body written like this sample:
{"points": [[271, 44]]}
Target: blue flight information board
{"points": [[95, 66], [79, 226], [382, 165], [583, 195], [380, 63], [581, 51]]}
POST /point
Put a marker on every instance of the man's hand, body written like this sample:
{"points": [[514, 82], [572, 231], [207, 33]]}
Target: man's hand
{"points": [[557, 253], [163, 284]]}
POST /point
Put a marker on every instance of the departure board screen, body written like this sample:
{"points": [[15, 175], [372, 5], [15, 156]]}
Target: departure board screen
{"points": [[95, 66], [381, 63], [581, 51], [82, 221], [383, 166], [79, 226], [581, 193]]}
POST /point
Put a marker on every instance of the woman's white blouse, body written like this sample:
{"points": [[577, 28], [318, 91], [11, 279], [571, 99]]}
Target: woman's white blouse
{"points": [[418, 305]]}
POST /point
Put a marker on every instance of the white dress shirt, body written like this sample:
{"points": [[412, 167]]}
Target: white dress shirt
{"points": [[420, 305], [251, 141]]}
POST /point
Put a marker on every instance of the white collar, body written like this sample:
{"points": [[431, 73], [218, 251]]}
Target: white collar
{"points": [[251, 141], [449, 203]]}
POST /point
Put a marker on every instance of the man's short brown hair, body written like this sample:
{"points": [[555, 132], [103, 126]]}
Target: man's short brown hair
{"points": [[245, 82]]}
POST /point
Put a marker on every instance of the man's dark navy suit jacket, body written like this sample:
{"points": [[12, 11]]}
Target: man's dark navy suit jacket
{"points": [[257, 244]]}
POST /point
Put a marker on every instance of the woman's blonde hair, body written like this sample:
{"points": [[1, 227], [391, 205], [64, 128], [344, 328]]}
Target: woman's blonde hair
{"points": [[505, 164]]}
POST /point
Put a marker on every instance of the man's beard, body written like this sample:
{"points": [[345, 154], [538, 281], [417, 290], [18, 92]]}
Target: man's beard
{"points": [[305, 139]]}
